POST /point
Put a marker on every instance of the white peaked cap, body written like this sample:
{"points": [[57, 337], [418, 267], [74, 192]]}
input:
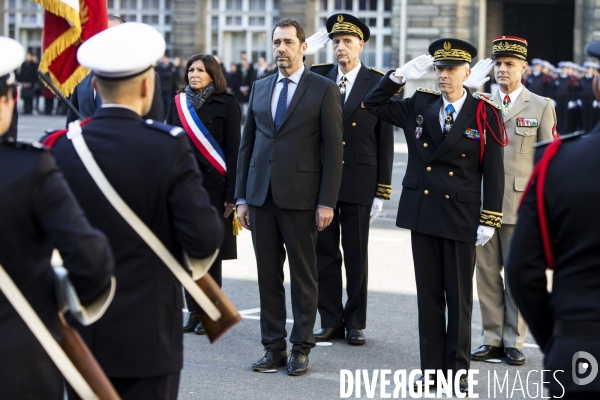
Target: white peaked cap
{"points": [[13, 55], [123, 51]]}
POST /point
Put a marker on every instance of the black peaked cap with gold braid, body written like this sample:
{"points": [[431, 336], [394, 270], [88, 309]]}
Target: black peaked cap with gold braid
{"points": [[448, 51], [511, 46], [348, 24]]}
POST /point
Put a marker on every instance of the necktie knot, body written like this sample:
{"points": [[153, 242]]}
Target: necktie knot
{"points": [[449, 109], [285, 81], [506, 99]]}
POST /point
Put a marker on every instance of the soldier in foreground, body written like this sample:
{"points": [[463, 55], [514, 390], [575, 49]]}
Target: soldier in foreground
{"points": [[139, 342]]}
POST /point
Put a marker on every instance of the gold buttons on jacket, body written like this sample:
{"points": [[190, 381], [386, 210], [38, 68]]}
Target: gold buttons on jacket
{"points": [[428, 168], [354, 124], [342, 162], [451, 173], [426, 192], [344, 143], [463, 155], [425, 145], [447, 197]]}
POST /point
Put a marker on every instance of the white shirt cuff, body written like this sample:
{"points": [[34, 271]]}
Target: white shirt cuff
{"points": [[240, 201]]}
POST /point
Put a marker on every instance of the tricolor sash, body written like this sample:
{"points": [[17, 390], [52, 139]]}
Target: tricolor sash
{"points": [[201, 137]]}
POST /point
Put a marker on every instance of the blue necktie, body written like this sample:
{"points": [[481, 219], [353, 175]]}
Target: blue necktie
{"points": [[281, 104], [449, 119]]}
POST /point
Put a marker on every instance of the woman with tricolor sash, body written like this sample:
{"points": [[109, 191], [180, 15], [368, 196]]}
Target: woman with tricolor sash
{"points": [[212, 119]]}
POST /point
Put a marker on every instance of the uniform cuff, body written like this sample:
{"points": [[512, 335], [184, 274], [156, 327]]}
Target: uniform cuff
{"points": [[490, 218], [384, 191]]}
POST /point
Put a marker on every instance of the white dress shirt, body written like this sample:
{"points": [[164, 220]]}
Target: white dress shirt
{"points": [[350, 78], [513, 96], [457, 107]]}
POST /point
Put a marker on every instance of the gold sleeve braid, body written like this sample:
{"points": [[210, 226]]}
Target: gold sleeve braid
{"points": [[490, 218], [384, 191]]}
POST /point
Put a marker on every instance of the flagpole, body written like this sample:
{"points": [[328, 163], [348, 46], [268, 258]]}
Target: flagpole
{"points": [[46, 78]]}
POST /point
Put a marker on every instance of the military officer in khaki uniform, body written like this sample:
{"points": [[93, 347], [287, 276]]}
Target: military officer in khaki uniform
{"points": [[529, 118]]}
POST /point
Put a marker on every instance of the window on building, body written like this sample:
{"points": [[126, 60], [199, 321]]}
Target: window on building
{"points": [[372, 23], [130, 18], [168, 4], [235, 21], [323, 5], [257, 5], [167, 20], [150, 4], [11, 19], [256, 21], [234, 4], [366, 5], [387, 5], [214, 23], [387, 22], [110, 4], [12, 4], [276, 5], [387, 52], [129, 4], [27, 18], [215, 4], [150, 19], [27, 4]]}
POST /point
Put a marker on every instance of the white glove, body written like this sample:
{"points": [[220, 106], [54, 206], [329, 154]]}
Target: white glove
{"points": [[415, 68], [571, 105], [484, 233], [376, 208], [579, 103], [479, 74], [555, 104], [316, 42], [595, 104]]}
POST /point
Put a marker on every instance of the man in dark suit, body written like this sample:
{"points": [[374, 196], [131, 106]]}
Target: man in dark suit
{"points": [[366, 182], [288, 178], [86, 100], [441, 198], [139, 342], [556, 230], [38, 213]]}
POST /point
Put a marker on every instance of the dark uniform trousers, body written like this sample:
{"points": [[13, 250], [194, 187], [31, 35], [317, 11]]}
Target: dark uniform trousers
{"points": [[352, 221], [272, 229], [444, 266]]}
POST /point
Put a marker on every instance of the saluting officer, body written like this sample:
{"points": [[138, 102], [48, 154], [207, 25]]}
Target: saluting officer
{"points": [[139, 342], [453, 143], [366, 182], [558, 229], [38, 213], [529, 118]]}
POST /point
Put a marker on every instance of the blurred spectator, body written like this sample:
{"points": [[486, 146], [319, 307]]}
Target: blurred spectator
{"points": [[28, 77], [166, 72], [48, 100]]}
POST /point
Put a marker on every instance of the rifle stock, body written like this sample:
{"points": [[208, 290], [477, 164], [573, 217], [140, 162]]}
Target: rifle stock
{"points": [[229, 317], [86, 363]]}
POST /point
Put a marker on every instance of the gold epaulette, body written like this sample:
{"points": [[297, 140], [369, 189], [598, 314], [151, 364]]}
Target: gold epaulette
{"points": [[384, 191], [490, 218], [322, 65], [378, 71], [425, 90], [483, 97]]}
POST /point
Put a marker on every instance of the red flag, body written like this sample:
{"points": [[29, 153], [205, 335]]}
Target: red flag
{"points": [[67, 24]]}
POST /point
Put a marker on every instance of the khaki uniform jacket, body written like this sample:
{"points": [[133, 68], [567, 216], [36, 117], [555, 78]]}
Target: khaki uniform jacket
{"points": [[519, 154]]}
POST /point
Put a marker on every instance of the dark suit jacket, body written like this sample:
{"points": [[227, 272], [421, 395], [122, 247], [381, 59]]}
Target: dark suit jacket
{"points": [[156, 175], [38, 213], [221, 115], [570, 200], [84, 101], [301, 163], [444, 200], [368, 141]]}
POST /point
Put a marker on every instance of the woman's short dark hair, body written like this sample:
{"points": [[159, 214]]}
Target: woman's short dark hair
{"points": [[212, 68]]}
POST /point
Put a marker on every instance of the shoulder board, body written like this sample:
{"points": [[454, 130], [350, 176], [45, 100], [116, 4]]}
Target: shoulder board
{"points": [[159, 126], [573, 135], [425, 90], [483, 97], [378, 71], [24, 144], [322, 65]]}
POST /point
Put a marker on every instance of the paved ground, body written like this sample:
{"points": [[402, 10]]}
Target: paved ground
{"points": [[222, 370]]}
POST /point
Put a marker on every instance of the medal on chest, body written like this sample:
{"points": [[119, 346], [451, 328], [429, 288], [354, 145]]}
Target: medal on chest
{"points": [[419, 129]]}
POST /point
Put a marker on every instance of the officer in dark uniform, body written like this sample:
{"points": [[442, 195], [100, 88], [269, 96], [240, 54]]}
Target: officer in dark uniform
{"points": [[565, 95], [139, 342], [538, 82], [558, 229], [441, 195], [366, 182], [38, 213], [586, 95]]}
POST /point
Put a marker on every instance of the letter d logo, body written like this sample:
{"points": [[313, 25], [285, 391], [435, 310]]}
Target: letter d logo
{"points": [[582, 367]]}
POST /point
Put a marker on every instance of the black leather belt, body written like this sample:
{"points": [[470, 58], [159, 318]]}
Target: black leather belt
{"points": [[576, 328]]}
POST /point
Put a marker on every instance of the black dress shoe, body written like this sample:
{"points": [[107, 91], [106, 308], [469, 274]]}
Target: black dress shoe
{"points": [[487, 352], [327, 334], [356, 337], [199, 329], [421, 382], [297, 364], [271, 360], [190, 322], [514, 356]]}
